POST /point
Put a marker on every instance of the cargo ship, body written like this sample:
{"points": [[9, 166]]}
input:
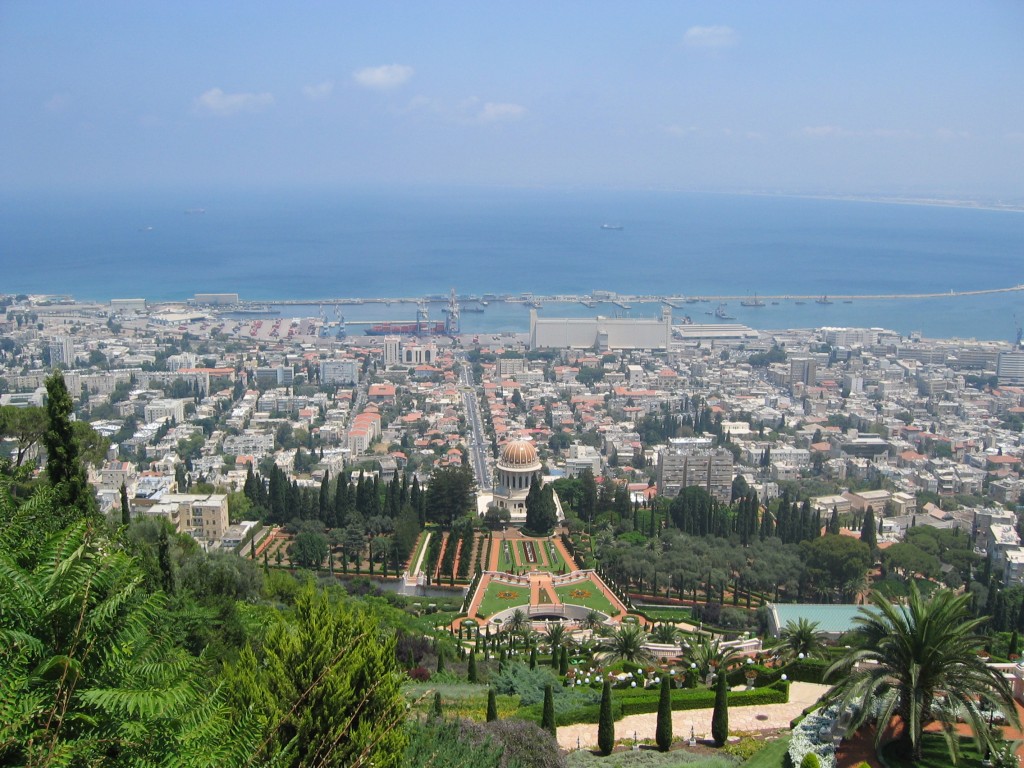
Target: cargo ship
{"points": [[407, 329]]}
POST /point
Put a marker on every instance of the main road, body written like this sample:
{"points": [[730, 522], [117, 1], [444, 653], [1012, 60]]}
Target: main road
{"points": [[479, 448]]}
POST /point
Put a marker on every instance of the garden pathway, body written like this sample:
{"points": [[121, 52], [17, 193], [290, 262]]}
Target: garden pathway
{"points": [[570, 561], [753, 718], [541, 582]]}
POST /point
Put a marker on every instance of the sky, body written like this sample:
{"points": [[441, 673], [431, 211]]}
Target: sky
{"points": [[918, 98]]}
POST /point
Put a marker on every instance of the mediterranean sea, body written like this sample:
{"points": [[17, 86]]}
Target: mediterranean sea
{"points": [[314, 244]]}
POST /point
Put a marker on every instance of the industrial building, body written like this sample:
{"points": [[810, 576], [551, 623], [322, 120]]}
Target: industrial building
{"points": [[601, 333]]}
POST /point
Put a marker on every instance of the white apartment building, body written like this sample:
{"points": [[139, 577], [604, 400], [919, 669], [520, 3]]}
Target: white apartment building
{"points": [[345, 371], [165, 409]]}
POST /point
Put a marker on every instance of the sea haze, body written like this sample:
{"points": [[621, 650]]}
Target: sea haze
{"points": [[380, 243]]}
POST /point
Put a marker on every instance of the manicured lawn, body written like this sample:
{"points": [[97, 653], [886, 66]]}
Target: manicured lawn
{"points": [[498, 597], [459, 700], [521, 549], [649, 758], [555, 559], [772, 756], [667, 613], [585, 593], [421, 542], [506, 563]]}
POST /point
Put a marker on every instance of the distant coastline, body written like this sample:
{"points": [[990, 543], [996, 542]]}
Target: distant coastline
{"points": [[933, 202]]}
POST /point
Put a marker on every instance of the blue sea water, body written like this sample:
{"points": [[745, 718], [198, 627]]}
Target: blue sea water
{"points": [[383, 242]]}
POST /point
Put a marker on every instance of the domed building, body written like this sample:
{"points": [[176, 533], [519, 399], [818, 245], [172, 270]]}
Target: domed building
{"points": [[517, 468]]}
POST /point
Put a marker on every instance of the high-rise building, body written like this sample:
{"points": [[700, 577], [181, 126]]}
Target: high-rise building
{"points": [[802, 370], [62, 352], [1010, 367], [688, 462], [391, 351]]}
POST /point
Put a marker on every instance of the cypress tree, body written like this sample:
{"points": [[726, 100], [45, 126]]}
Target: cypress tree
{"points": [[533, 657], [324, 502], [663, 733], [164, 560], [547, 719], [126, 512], [64, 467], [720, 715], [436, 712], [555, 655], [605, 724], [440, 659], [492, 706], [867, 531], [563, 662], [471, 674]]}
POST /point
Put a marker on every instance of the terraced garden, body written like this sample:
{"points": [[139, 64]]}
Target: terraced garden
{"points": [[585, 593], [498, 597]]}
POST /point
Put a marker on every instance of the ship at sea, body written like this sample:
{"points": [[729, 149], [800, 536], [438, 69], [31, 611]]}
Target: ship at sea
{"points": [[754, 302], [823, 300], [615, 227], [721, 313]]}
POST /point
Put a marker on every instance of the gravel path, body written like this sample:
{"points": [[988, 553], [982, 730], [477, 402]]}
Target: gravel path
{"points": [[752, 718]]}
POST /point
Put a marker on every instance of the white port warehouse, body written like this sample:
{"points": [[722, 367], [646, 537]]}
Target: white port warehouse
{"points": [[601, 333]]}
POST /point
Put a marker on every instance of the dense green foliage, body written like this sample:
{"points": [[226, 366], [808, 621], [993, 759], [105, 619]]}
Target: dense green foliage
{"points": [[904, 656]]}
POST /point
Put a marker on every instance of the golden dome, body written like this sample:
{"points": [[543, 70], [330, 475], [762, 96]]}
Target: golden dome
{"points": [[518, 453]]}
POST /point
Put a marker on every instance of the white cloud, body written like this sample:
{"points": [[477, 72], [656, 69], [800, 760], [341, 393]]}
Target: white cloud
{"points": [[216, 102], [713, 37], [383, 77], [57, 103], [493, 112], [818, 131], [318, 92], [835, 131], [679, 131]]}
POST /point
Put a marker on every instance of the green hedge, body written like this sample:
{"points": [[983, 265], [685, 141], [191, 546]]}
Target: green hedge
{"points": [[639, 701], [585, 714], [807, 671], [689, 698]]}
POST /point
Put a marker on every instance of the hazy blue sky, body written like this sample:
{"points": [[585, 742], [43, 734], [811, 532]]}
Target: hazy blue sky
{"points": [[860, 96]]}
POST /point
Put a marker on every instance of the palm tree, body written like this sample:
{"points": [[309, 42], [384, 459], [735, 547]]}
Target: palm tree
{"points": [[800, 637], [626, 643], [517, 623], [555, 634], [708, 654], [592, 620], [664, 633], [919, 661]]}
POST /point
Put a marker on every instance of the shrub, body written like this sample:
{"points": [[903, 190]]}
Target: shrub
{"points": [[519, 680], [419, 674], [810, 761]]}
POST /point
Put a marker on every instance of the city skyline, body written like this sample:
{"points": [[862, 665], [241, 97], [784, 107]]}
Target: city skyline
{"points": [[819, 98]]}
